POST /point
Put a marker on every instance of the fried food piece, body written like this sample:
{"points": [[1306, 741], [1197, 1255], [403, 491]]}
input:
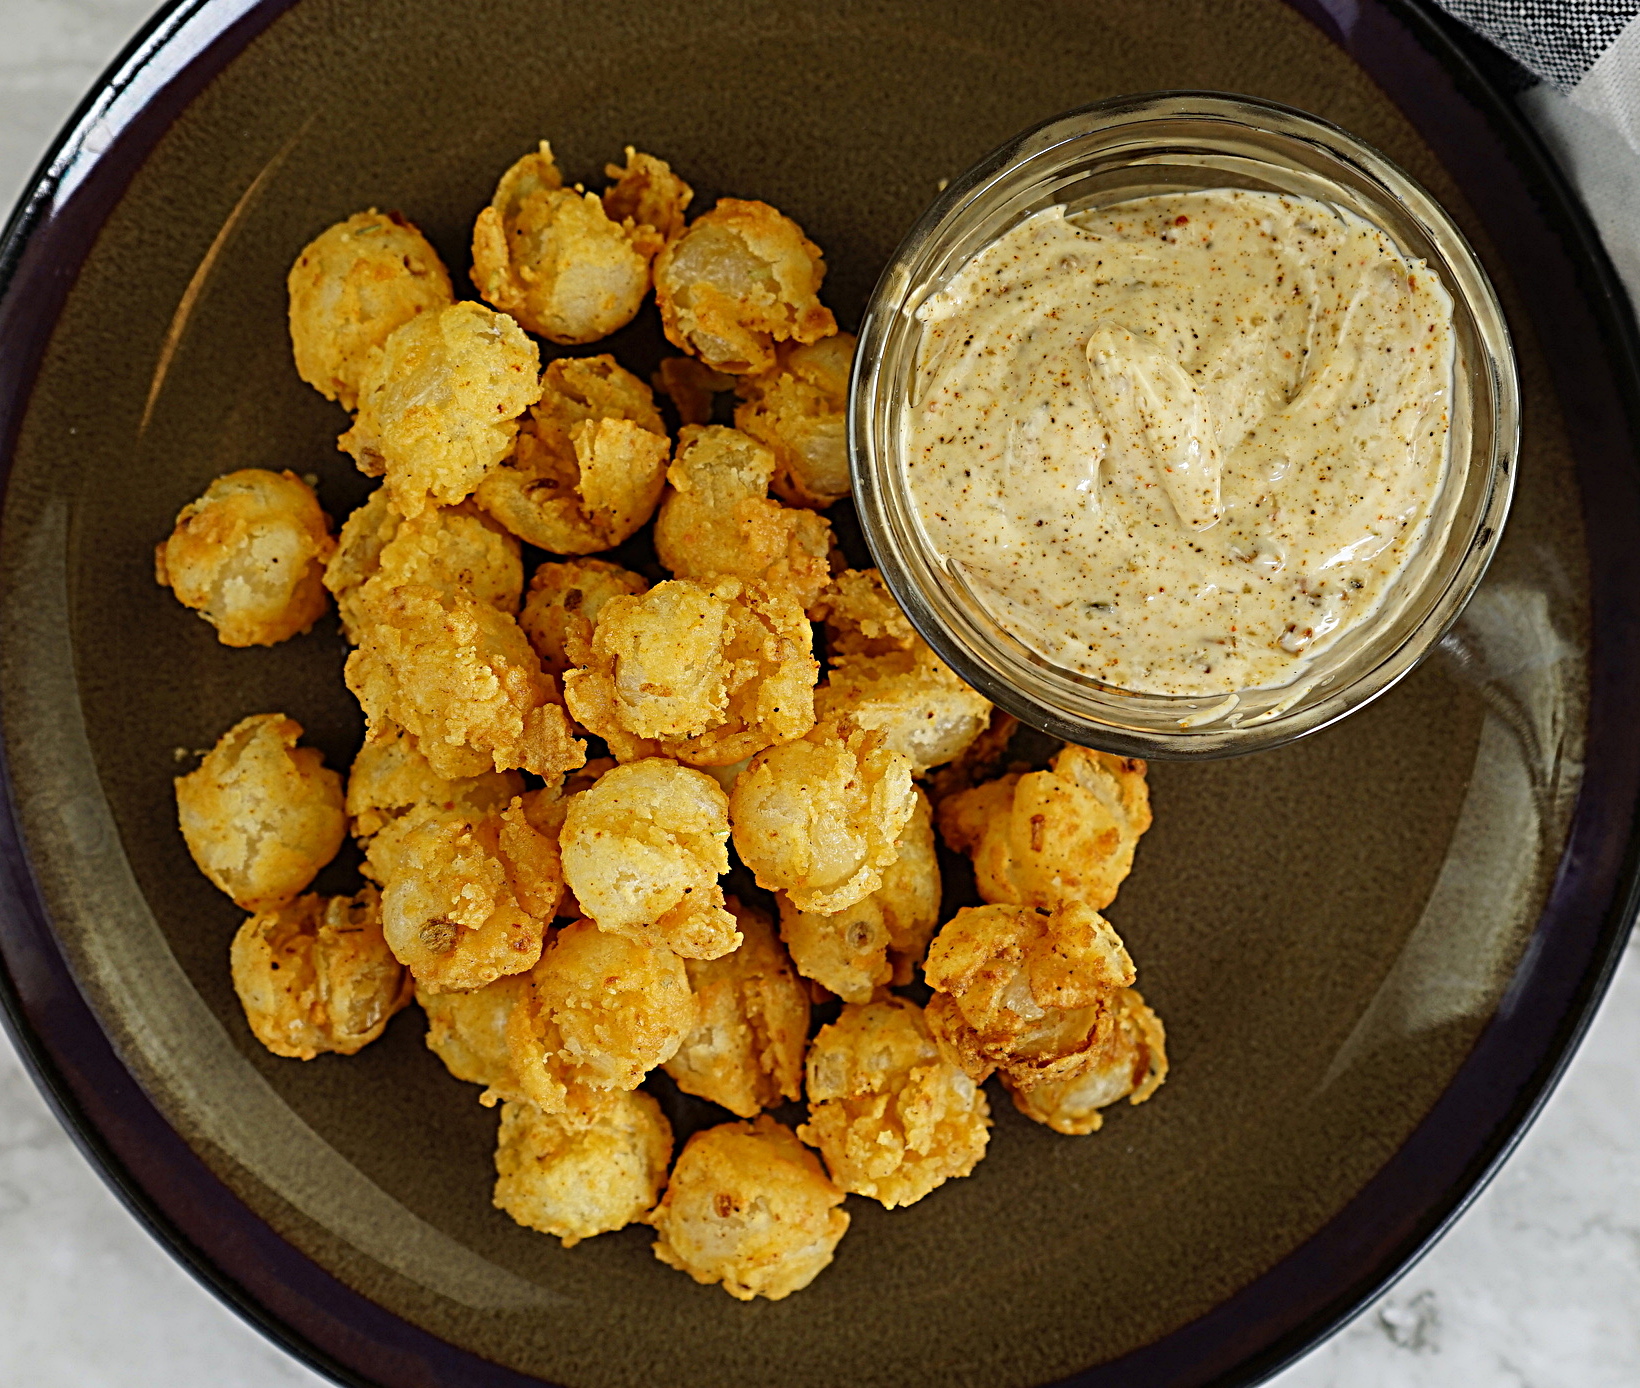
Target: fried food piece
{"points": [[706, 674], [589, 463], [746, 1051], [862, 618], [568, 597], [984, 759], [692, 387], [880, 939], [390, 777], [261, 815], [439, 405], [468, 1032], [352, 285], [601, 1012], [1045, 837], [467, 898], [819, 818], [317, 975], [924, 710], [643, 851], [249, 556], [799, 410], [1131, 1064], [454, 549], [647, 193], [464, 681], [552, 257], [1032, 994], [577, 1178], [717, 517], [891, 1116], [741, 278], [751, 1207]]}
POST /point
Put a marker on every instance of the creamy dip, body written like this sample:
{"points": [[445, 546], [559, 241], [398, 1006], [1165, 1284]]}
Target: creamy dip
{"points": [[1183, 443]]}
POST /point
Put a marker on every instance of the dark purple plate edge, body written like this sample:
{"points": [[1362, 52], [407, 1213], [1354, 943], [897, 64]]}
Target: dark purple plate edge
{"points": [[1287, 1311]]}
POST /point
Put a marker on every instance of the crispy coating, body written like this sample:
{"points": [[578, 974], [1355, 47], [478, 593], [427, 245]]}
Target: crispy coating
{"points": [[692, 386], [352, 285], [717, 517], [706, 674], [577, 1178], [249, 556], [799, 410], [317, 975], [439, 405], [554, 259], [261, 815], [601, 1012], [390, 777], [1065, 834], [468, 1032], [643, 851], [1131, 1064], [1026, 992], [741, 278], [891, 1116], [924, 710], [819, 818], [467, 897], [749, 1207], [862, 618], [454, 549], [463, 679], [746, 1051], [589, 463], [567, 598], [984, 759], [647, 193], [880, 939]]}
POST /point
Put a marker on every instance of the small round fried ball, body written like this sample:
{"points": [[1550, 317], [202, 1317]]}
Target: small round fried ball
{"points": [[643, 850], [1131, 1064], [746, 1051], [468, 1032], [921, 706], [799, 410], [439, 405], [350, 288], [575, 1178], [261, 815], [862, 617], [740, 279], [390, 778], [567, 598], [317, 975], [249, 556], [891, 1116], [647, 193], [552, 257], [818, 818], [1026, 992], [750, 1207]]}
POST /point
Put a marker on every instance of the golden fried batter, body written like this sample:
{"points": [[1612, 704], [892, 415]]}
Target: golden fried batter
{"points": [[751, 1207], [1027, 992], [706, 674], [464, 681], [568, 597], [317, 975], [692, 387], [862, 617], [574, 1178], [717, 518], [589, 463], [892, 1118], [818, 818], [1065, 834], [439, 405], [249, 556], [923, 709], [261, 815], [1131, 1064], [746, 1051], [984, 759], [647, 193], [602, 1011], [799, 410], [741, 278], [390, 777], [468, 1032], [350, 288], [552, 257]]}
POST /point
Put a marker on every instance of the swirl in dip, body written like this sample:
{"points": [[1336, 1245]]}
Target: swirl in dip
{"points": [[1182, 443]]}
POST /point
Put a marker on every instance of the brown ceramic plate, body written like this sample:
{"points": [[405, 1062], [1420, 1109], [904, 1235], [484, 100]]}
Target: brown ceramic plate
{"points": [[1373, 949]]}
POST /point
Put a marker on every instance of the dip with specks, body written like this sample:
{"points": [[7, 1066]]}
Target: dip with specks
{"points": [[1181, 444]]}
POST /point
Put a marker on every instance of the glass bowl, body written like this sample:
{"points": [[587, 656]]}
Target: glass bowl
{"points": [[1131, 147]]}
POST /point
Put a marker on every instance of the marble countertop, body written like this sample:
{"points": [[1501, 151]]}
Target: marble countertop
{"points": [[1537, 1286]]}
